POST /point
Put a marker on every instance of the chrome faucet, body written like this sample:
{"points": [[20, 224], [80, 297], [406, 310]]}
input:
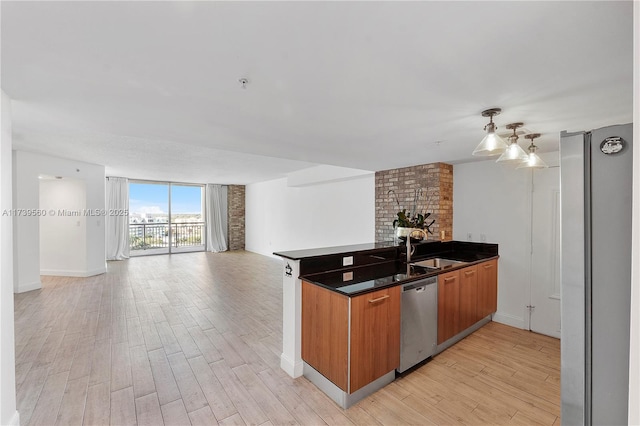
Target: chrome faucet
{"points": [[409, 248]]}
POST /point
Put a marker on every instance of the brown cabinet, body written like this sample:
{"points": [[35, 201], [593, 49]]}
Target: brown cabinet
{"points": [[487, 288], [373, 337], [465, 297], [325, 338], [448, 305], [468, 297]]}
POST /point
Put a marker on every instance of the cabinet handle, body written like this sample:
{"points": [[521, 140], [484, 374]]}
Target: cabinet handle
{"points": [[488, 266], [469, 272], [446, 280], [386, 296]]}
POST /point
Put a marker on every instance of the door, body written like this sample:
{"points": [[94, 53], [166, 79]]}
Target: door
{"points": [[544, 305], [468, 297], [165, 218], [487, 289], [448, 305], [609, 274], [375, 336], [149, 218], [187, 218]]}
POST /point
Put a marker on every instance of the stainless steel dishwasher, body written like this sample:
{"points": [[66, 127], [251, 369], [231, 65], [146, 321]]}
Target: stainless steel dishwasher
{"points": [[419, 326]]}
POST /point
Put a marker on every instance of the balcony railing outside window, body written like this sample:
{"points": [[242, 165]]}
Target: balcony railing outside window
{"points": [[146, 236]]}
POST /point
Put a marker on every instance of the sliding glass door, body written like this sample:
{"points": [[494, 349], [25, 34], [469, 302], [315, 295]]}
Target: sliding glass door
{"points": [[165, 218], [187, 218]]}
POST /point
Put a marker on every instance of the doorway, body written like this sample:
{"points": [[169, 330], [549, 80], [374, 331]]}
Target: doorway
{"points": [[63, 229], [544, 286], [166, 217]]}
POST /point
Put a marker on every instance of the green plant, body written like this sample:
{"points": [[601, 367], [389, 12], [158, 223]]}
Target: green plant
{"points": [[137, 243], [409, 220], [412, 219]]}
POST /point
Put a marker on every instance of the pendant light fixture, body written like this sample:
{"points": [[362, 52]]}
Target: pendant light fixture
{"points": [[533, 160], [492, 144], [513, 154]]}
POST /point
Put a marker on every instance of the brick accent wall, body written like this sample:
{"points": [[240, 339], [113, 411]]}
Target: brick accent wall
{"points": [[436, 181], [235, 216]]}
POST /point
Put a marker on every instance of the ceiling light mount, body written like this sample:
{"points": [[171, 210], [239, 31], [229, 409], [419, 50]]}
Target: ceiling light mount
{"points": [[513, 154], [491, 112], [492, 144], [514, 127]]}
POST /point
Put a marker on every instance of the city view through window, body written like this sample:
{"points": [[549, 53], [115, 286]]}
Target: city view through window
{"points": [[165, 218]]}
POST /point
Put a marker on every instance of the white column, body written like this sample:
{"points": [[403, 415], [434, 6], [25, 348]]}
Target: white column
{"points": [[8, 413], [291, 358]]}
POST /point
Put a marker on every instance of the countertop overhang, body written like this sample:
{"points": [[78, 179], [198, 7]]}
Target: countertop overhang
{"points": [[329, 251]]}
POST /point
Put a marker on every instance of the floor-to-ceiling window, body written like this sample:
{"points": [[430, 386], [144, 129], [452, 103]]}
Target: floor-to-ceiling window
{"points": [[187, 218], [165, 217]]}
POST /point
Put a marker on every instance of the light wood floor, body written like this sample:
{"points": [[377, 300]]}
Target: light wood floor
{"points": [[196, 338]]}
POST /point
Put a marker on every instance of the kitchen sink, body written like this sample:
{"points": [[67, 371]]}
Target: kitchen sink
{"points": [[438, 263]]}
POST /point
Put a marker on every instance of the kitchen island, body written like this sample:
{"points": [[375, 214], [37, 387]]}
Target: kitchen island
{"points": [[342, 308]]}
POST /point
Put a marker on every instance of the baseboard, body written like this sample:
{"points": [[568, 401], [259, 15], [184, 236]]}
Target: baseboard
{"points": [[23, 288], [455, 339], [15, 420], [70, 273], [510, 320], [294, 369], [340, 397], [98, 271]]}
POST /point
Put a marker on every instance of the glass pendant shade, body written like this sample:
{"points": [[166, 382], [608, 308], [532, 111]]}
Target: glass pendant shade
{"points": [[533, 161], [513, 154], [492, 144]]}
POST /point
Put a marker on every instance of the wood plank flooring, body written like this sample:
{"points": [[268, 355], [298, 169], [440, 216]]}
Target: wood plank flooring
{"points": [[196, 339]]}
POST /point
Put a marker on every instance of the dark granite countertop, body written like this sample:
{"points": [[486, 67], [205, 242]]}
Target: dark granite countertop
{"points": [[365, 279]]}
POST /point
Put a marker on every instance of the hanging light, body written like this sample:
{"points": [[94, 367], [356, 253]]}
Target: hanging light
{"points": [[492, 144], [533, 160], [513, 154]]}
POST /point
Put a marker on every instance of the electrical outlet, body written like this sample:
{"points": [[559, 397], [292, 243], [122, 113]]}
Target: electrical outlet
{"points": [[347, 261], [483, 238], [469, 236]]}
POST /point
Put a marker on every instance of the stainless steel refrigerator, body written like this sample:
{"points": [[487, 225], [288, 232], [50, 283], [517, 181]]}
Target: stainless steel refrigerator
{"points": [[596, 179]]}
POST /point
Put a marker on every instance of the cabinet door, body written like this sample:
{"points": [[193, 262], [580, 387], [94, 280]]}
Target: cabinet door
{"points": [[448, 305], [375, 336], [325, 332], [487, 288], [468, 297]]}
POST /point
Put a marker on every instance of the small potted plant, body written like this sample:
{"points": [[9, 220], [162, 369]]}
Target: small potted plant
{"points": [[407, 222]]}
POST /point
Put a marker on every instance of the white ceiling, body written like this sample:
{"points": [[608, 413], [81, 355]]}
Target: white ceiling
{"points": [[150, 89]]}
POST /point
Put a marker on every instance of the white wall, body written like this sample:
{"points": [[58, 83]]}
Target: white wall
{"points": [[495, 200], [8, 413], [323, 174], [63, 239], [27, 167], [280, 218]]}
